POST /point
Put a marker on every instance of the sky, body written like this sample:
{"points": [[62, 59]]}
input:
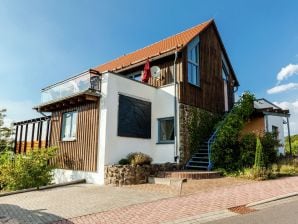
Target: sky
{"points": [[43, 42]]}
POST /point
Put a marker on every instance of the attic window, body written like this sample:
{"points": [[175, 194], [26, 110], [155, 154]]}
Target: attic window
{"points": [[225, 69], [193, 62]]}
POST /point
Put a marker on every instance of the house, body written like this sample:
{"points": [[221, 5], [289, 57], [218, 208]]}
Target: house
{"points": [[101, 115], [268, 117]]}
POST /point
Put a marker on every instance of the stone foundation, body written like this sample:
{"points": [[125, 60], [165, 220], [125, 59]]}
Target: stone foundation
{"points": [[118, 175], [185, 113]]}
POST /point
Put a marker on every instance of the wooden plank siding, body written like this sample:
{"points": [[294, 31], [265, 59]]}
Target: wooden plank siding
{"points": [[166, 73], [27, 146], [166, 66], [210, 94], [80, 154]]}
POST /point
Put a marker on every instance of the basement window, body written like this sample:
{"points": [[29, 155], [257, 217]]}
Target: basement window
{"points": [[69, 126], [166, 130]]}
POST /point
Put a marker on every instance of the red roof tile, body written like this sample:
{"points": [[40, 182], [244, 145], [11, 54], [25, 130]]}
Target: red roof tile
{"points": [[159, 48]]}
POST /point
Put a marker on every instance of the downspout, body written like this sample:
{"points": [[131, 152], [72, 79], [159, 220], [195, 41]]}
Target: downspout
{"points": [[289, 136], [175, 111]]}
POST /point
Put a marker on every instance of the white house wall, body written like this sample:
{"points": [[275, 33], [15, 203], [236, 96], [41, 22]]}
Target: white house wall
{"points": [[113, 147], [278, 122]]}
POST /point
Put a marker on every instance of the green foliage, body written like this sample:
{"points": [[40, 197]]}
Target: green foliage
{"points": [[5, 133], [124, 161], [259, 158], [247, 150], [226, 148], [21, 171], [294, 144], [201, 124], [270, 145], [139, 158]]}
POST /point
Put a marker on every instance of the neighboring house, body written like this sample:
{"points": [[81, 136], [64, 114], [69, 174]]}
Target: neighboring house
{"points": [[101, 115], [268, 118]]}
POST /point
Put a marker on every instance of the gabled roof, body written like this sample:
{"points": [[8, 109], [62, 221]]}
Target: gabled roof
{"points": [[264, 106], [157, 49]]}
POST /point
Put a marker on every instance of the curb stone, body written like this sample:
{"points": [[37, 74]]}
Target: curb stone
{"points": [[272, 199], [42, 188]]}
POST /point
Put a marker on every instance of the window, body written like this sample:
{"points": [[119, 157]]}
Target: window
{"points": [[166, 130], [134, 117], [136, 76], [275, 132], [224, 69], [193, 62], [69, 126]]}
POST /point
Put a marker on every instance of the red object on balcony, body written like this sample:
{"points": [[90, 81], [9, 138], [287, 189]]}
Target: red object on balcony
{"points": [[147, 73]]}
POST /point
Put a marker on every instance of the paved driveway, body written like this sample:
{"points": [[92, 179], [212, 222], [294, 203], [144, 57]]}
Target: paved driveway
{"points": [[67, 202]]}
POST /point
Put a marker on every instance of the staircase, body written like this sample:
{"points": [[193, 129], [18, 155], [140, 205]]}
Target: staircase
{"points": [[200, 160]]}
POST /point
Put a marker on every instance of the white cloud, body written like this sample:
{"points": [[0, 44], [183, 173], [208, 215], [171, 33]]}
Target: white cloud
{"points": [[293, 107], [18, 111], [282, 88], [285, 72]]}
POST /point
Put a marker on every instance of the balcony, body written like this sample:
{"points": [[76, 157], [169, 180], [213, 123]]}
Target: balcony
{"points": [[71, 91]]}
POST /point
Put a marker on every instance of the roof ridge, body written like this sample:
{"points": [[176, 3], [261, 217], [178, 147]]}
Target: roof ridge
{"points": [[147, 46]]}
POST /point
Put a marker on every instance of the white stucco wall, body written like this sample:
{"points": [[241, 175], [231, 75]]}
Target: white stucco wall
{"points": [[278, 122], [113, 147]]}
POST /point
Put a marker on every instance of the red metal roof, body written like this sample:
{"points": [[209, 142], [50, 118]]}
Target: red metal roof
{"points": [[164, 46]]}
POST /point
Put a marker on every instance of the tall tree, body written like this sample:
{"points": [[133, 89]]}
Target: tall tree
{"points": [[5, 133]]}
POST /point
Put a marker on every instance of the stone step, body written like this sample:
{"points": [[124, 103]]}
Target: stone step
{"points": [[201, 158], [166, 181]]}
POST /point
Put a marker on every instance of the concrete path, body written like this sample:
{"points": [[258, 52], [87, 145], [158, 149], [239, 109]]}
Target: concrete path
{"points": [[67, 202]]}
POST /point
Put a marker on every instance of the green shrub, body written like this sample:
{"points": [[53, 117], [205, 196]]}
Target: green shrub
{"points": [[226, 148], [259, 158], [123, 161], [139, 158], [21, 171], [288, 170], [257, 173], [248, 150], [270, 145], [200, 126], [294, 145]]}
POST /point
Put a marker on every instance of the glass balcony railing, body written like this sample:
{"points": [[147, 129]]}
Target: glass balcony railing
{"points": [[89, 80]]}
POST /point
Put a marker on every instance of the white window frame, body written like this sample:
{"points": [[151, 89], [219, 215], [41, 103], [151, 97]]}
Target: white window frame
{"points": [[193, 44], [72, 133], [159, 120]]}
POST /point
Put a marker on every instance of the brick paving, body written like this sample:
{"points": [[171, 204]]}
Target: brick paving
{"points": [[191, 186], [179, 208]]}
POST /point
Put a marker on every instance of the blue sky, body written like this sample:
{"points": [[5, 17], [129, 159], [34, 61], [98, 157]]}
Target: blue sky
{"points": [[43, 42]]}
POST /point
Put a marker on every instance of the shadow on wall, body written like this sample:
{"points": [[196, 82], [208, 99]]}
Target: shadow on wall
{"points": [[63, 176], [17, 215]]}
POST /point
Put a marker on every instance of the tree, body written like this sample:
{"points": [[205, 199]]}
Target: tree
{"points": [[5, 133]]}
